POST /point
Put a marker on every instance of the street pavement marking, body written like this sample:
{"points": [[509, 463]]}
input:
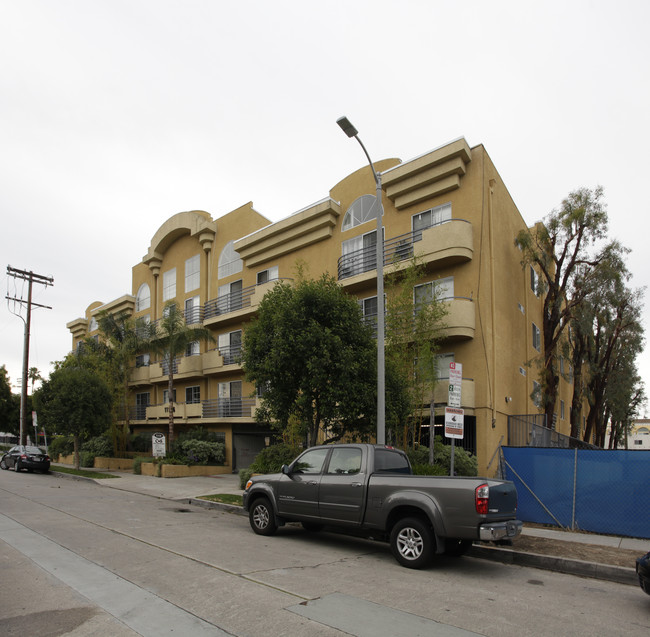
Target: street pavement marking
{"points": [[362, 618], [137, 608]]}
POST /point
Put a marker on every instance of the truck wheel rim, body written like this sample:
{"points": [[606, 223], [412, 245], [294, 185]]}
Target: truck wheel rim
{"points": [[261, 517], [410, 544]]}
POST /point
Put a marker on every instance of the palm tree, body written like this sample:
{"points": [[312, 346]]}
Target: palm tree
{"points": [[34, 375], [125, 339], [169, 338]]}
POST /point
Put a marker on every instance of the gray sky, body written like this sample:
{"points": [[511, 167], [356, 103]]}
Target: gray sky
{"points": [[117, 114]]}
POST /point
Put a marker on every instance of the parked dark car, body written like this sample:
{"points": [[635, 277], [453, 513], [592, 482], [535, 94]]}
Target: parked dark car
{"points": [[21, 457], [643, 571]]}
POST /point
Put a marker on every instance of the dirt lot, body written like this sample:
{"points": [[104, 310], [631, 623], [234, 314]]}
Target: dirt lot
{"points": [[577, 551]]}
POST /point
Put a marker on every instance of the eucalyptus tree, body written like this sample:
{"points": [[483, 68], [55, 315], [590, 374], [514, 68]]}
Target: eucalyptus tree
{"points": [[170, 337], [566, 252]]}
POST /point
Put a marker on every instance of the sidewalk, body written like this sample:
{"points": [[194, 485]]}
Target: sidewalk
{"points": [[189, 489]]}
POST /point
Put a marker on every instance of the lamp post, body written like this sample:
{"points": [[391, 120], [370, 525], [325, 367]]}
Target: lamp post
{"points": [[351, 131]]}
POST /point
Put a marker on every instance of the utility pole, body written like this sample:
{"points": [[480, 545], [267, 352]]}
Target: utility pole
{"points": [[31, 278]]}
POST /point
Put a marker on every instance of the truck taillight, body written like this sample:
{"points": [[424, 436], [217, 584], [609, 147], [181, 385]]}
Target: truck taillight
{"points": [[482, 496]]}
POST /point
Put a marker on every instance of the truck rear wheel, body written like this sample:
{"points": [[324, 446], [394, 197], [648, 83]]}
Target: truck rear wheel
{"points": [[261, 517], [412, 543]]}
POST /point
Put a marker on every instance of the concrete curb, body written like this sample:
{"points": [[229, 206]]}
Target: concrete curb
{"points": [[566, 565], [207, 504]]}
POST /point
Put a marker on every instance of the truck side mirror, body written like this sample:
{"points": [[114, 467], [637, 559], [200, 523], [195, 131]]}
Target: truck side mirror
{"points": [[285, 469]]}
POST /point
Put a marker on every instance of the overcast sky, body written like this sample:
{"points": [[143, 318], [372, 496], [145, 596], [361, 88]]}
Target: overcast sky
{"points": [[117, 114]]}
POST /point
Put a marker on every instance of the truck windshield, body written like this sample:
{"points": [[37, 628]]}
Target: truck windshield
{"points": [[388, 461]]}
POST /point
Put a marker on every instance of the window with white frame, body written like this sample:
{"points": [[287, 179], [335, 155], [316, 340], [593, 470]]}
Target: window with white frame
{"points": [[369, 310], [229, 261], [142, 401], [230, 297], [440, 290], [229, 346], [442, 365], [169, 285], [362, 210], [143, 298], [537, 338], [267, 275], [230, 399], [193, 395], [359, 254], [192, 349], [166, 395], [431, 217], [193, 273], [193, 310], [142, 360]]}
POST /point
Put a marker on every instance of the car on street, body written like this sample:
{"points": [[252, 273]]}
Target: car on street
{"points": [[643, 571], [25, 457]]}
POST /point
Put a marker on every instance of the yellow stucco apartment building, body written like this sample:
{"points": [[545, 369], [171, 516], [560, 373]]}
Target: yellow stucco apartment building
{"points": [[448, 206]]}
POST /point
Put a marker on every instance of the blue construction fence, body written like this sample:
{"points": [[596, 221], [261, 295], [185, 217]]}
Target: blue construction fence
{"points": [[601, 491]]}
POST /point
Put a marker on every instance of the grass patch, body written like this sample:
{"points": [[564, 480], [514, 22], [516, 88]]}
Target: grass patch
{"points": [[224, 498], [81, 472]]}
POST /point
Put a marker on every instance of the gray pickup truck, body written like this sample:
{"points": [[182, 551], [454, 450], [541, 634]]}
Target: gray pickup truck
{"points": [[371, 489]]}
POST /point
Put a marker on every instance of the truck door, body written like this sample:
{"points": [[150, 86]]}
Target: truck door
{"points": [[342, 487], [298, 491]]}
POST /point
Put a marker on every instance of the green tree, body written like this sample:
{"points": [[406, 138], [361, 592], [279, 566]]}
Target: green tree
{"points": [[315, 359], [123, 339], [170, 338], [414, 324], [34, 375], [9, 405], [75, 402], [562, 250]]}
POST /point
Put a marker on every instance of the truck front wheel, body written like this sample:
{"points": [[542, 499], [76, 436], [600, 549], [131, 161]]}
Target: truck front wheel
{"points": [[261, 517], [412, 543]]}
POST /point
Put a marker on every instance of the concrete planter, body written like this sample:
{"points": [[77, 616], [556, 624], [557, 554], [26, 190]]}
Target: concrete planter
{"points": [[114, 464], [182, 470]]}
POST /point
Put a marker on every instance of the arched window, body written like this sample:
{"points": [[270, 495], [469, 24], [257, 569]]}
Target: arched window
{"points": [[362, 209], [229, 261], [143, 298]]}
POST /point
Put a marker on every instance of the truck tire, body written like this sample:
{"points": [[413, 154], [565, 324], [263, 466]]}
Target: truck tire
{"points": [[261, 517], [456, 547], [3, 465], [412, 543]]}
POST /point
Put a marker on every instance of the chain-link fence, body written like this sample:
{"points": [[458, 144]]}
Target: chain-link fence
{"points": [[602, 491]]}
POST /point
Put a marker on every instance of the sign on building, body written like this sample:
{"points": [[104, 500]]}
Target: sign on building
{"points": [[455, 384]]}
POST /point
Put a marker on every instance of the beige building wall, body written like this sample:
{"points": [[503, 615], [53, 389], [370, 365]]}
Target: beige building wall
{"points": [[491, 315]]}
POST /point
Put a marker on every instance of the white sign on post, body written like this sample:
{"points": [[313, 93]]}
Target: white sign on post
{"points": [[455, 384], [454, 422], [158, 445]]}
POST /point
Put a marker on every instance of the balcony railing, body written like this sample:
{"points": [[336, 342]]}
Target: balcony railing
{"points": [[228, 408], [215, 408], [229, 303], [231, 355]]}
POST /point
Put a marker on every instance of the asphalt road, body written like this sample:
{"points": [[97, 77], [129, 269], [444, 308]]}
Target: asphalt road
{"points": [[82, 559]]}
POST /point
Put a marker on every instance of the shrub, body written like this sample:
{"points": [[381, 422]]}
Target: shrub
{"points": [[269, 460], [60, 446], [465, 464], [99, 446], [193, 451], [86, 459], [140, 442], [137, 464]]}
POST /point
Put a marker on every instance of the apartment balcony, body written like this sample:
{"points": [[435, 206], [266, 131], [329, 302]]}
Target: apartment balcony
{"points": [[438, 246], [182, 367], [441, 393], [236, 306], [196, 413]]}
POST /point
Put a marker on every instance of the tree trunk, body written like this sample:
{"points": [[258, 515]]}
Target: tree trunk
{"points": [[170, 390]]}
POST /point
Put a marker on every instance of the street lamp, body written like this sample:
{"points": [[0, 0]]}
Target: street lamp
{"points": [[351, 131]]}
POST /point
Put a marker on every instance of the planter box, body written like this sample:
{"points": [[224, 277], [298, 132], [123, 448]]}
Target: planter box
{"points": [[116, 464], [148, 469], [66, 459], [184, 471]]}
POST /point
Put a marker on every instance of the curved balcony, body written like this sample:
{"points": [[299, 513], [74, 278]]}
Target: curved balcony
{"points": [[460, 322]]}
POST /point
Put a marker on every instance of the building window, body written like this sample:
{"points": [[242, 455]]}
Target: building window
{"points": [[142, 360], [362, 210], [229, 346], [522, 371], [93, 324], [359, 254], [142, 401], [369, 311], [229, 261], [230, 297], [267, 275], [193, 310], [193, 273], [534, 281], [169, 284], [192, 349], [193, 395], [537, 339], [230, 400], [537, 394], [432, 217], [143, 298], [442, 365], [562, 410], [439, 290], [166, 395]]}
